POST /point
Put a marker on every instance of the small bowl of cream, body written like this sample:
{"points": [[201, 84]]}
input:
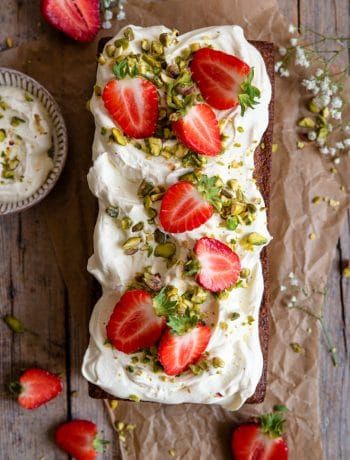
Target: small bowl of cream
{"points": [[33, 141]]}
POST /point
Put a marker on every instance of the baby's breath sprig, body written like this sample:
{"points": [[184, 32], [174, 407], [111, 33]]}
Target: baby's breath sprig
{"points": [[301, 298], [325, 83]]}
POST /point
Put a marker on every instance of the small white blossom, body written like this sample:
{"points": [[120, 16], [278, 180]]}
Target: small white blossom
{"points": [[334, 88], [311, 135], [347, 128], [335, 114], [291, 29], [339, 145], [294, 282], [300, 57], [336, 161], [284, 72], [289, 305], [330, 127], [291, 275], [346, 142], [278, 65], [108, 15], [309, 84], [293, 299], [106, 25], [322, 100], [336, 102], [282, 50], [283, 288], [319, 72], [293, 41], [324, 150], [332, 151]]}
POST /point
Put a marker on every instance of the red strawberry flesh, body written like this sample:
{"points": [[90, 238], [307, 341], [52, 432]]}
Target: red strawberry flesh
{"points": [[219, 76], [177, 352], [183, 208], [79, 19], [134, 324], [249, 442], [77, 439], [133, 105], [199, 130], [220, 266], [38, 387]]}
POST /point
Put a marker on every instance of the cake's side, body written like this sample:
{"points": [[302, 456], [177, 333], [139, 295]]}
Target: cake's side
{"points": [[262, 160]]}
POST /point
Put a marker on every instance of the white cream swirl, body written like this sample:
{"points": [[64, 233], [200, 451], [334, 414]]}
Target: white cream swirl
{"points": [[114, 179]]}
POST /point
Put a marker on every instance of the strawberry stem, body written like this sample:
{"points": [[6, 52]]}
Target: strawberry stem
{"points": [[100, 445], [249, 93]]}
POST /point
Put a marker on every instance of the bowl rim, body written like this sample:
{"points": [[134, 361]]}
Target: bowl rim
{"points": [[53, 176]]}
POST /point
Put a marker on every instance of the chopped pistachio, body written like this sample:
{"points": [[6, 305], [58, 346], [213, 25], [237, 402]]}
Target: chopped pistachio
{"points": [[314, 108], [28, 97], [112, 211], [306, 122], [144, 188], [300, 145], [232, 223], [101, 59], [159, 236], [113, 404], [346, 271], [9, 42], [240, 129], [145, 45], [122, 43], [316, 199], [244, 273], [126, 223], [256, 239], [218, 362], [312, 236], [156, 48], [155, 145], [2, 135], [250, 319], [118, 136], [235, 315], [165, 250], [165, 39], [134, 398], [223, 325], [16, 121], [120, 426], [274, 148], [172, 452], [137, 227], [132, 242], [110, 50], [194, 47], [296, 347], [13, 323], [129, 34]]}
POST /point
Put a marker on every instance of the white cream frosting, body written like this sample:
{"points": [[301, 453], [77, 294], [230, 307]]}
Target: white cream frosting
{"points": [[114, 180], [24, 160]]}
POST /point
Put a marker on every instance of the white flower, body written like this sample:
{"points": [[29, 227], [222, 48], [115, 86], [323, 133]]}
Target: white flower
{"points": [[324, 150], [319, 72], [324, 84], [293, 41], [332, 151], [322, 101], [289, 305], [330, 127], [336, 161], [311, 135], [339, 145], [309, 84], [282, 50], [291, 275], [334, 88], [121, 13], [278, 65], [336, 102], [347, 128], [294, 282], [108, 15], [106, 25], [335, 114], [291, 29], [283, 288], [321, 142], [293, 299], [284, 72], [346, 142], [300, 57]]}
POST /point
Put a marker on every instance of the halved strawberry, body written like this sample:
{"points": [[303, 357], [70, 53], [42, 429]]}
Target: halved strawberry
{"points": [[260, 441], [219, 265], [79, 19], [219, 76], [79, 439], [199, 130], [134, 324], [133, 105], [36, 387], [183, 208], [177, 352]]}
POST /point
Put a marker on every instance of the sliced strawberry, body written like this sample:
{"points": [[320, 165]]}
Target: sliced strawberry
{"points": [[177, 352], [79, 439], [79, 19], [250, 442], [36, 387], [219, 265], [183, 208], [219, 76], [134, 324], [199, 130], [133, 105]]}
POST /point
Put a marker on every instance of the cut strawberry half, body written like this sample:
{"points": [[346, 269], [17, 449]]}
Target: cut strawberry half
{"points": [[133, 105], [219, 265], [177, 352], [199, 130], [79, 19], [219, 76], [183, 208], [260, 442], [134, 324], [36, 387], [79, 439]]}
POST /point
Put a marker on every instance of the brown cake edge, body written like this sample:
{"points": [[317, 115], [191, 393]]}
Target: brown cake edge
{"points": [[262, 174]]}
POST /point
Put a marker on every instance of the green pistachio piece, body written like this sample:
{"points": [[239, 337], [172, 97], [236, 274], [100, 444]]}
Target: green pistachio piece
{"points": [[165, 250], [110, 50], [151, 213], [237, 208], [129, 34], [218, 362], [322, 133], [256, 239], [194, 47], [157, 48], [97, 90], [132, 242], [145, 45], [159, 236], [165, 39], [101, 59], [137, 227], [314, 108], [13, 323], [122, 42], [154, 145], [306, 122], [144, 188], [16, 121], [2, 135], [126, 223], [244, 273], [151, 61], [232, 223], [112, 211], [118, 136], [190, 177]]}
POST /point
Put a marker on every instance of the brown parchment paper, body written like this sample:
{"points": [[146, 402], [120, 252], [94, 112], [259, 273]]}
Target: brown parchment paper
{"points": [[196, 431]]}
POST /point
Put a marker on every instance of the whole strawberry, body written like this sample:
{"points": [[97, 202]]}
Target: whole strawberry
{"points": [[36, 387], [79, 439], [260, 441]]}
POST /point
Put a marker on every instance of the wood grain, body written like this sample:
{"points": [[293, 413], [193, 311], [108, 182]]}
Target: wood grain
{"points": [[32, 289]]}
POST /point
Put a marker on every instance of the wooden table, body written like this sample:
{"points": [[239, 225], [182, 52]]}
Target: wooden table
{"points": [[32, 289]]}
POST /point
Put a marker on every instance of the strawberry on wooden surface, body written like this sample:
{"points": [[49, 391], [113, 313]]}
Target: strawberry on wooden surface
{"points": [[133, 105], [224, 80], [36, 387], [134, 325], [260, 441], [219, 266], [199, 130], [79, 439], [177, 352], [79, 19], [183, 208]]}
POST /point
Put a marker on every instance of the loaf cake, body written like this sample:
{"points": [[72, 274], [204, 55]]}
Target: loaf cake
{"points": [[180, 241]]}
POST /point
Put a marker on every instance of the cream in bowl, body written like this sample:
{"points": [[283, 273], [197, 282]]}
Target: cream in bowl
{"points": [[26, 144]]}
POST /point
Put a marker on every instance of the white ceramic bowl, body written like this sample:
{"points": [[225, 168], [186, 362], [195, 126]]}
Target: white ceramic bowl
{"points": [[10, 77]]}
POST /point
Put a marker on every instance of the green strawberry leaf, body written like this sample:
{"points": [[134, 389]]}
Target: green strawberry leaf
{"points": [[249, 93]]}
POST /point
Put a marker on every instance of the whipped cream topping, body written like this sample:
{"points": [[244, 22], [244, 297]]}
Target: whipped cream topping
{"points": [[25, 141], [114, 179]]}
